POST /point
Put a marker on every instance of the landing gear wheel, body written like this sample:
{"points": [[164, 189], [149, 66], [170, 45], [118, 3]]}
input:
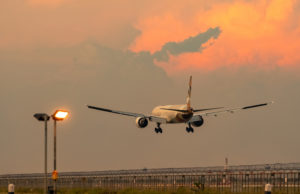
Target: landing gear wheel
{"points": [[158, 130], [189, 129]]}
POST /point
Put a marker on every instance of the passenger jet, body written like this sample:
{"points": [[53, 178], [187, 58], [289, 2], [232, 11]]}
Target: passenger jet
{"points": [[177, 113]]}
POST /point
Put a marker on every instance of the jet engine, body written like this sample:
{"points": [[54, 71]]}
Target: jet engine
{"points": [[141, 122], [198, 123]]}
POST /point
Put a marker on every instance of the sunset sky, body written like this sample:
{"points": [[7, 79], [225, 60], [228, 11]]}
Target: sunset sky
{"points": [[134, 55]]}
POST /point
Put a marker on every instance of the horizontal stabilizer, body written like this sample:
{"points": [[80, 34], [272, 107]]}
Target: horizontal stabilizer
{"points": [[178, 110], [205, 109], [187, 111]]}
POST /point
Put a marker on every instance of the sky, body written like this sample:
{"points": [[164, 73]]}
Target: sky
{"points": [[134, 55]]}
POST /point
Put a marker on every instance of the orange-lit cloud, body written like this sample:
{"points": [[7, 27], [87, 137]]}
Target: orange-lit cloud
{"points": [[262, 33], [46, 2]]}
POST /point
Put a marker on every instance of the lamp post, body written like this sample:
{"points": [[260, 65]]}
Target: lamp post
{"points": [[44, 117], [58, 115]]}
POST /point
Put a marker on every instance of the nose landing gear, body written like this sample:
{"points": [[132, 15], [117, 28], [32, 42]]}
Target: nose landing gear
{"points": [[158, 129]]}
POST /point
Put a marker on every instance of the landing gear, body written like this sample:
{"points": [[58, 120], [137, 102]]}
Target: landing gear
{"points": [[189, 129], [158, 129]]}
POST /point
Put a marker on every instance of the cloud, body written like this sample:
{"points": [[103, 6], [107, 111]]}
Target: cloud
{"points": [[66, 23], [262, 34], [48, 78], [77, 63], [45, 79], [52, 3], [189, 45]]}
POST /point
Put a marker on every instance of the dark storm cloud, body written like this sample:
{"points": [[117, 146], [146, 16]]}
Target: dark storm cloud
{"points": [[192, 44]]}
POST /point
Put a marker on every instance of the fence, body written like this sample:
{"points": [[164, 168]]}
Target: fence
{"points": [[246, 178]]}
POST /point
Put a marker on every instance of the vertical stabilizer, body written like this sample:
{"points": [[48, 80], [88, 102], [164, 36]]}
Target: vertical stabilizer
{"points": [[188, 99]]}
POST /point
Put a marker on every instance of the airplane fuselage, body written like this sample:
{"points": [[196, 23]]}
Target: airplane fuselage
{"points": [[173, 116]]}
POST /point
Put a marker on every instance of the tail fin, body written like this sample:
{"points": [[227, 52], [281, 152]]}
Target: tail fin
{"points": [[188, 99]]}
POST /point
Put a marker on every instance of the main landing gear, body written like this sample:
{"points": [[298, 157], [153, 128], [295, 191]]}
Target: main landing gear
{"points": [[189, 129], [158, 129]]}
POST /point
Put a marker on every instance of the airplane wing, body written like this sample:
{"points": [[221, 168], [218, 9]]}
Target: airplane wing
{"points": [[229, 110], [151, 118], [116, 111]]}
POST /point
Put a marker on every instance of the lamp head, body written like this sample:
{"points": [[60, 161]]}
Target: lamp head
{"points": [[41, 116], [60, 115]]}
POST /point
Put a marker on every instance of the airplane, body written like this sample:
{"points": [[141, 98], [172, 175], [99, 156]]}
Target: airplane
{"points": [[177, 113]]}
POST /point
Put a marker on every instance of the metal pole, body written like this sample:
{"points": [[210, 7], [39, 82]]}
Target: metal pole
{"points": [[45, 176], [54, 185]]}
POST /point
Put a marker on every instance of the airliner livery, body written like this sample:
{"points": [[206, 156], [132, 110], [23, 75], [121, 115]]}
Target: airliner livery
{"points": [[177, 113]]}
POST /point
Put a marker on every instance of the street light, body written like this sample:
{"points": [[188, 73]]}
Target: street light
{"points": [[44, 117], [58, 115]]}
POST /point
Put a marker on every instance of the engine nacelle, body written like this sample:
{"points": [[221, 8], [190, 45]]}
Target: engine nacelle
{"points": [[198, 123], [141, 122]]}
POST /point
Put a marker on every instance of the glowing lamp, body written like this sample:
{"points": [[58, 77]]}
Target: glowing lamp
{"points": [[60, 115]]}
